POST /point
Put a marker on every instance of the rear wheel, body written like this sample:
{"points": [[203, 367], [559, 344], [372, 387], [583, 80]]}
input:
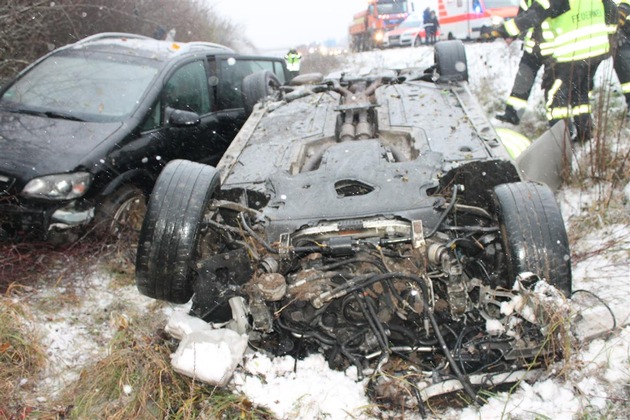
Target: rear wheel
{"points": [[170, 235], [450, 61], [533, 233], [257, 86]]}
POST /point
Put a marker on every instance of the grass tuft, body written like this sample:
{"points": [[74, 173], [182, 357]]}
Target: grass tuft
{"points": [[22, 358], [136, 380]]}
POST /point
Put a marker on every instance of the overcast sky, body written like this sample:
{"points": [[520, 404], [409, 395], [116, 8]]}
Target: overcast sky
{"points": [[281, 24]]}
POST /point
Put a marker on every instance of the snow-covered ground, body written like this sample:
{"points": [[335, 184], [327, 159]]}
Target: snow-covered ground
{"points": [[593, 382]]}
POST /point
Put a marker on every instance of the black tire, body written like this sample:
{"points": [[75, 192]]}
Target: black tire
{"points": [[450, 61], [533, 233], [417, 42], [169, 238], [257, 86], [120, 214]]}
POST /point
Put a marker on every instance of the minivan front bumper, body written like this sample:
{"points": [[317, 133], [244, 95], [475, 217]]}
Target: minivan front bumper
{"points": [[23, 221]]}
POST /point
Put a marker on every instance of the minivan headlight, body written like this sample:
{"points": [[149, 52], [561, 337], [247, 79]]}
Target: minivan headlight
{"points": [[58, 187]]}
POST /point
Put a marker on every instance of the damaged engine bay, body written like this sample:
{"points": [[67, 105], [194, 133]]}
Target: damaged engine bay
{"points": [[376, 219]]}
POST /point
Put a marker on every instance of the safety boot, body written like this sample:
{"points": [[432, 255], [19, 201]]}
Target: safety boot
{"points": [[509, 116]]}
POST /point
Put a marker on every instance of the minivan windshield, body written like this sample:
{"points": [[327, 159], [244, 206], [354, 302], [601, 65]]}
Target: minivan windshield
{"points": [[80, 85]]}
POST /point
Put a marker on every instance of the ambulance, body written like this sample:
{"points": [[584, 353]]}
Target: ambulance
{"points": [[467, 19], [459, 19]]}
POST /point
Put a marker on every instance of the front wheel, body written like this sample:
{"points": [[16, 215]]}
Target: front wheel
{"points": [[533, 233], [170, 235], [417, 42], [120, 214]]}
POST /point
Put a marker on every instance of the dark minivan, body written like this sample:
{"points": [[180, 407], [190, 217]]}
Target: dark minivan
{"points": [[85, 130]]}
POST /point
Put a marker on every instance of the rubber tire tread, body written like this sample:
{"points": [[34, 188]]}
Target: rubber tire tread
{"points": [[447, 56], [534, 234], [256, 86], [170, 232]]}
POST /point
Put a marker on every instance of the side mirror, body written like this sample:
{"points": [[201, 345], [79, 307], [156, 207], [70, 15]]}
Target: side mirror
{"points": [[179, 118]]}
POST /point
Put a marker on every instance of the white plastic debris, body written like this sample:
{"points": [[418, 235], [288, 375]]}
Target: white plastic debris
{"points": [[181, 324], [494, 327], [210, 356]]}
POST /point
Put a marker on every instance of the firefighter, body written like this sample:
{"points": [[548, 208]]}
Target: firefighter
{"points": [[621, 51], [576, 42], [292, 59], [528, 67]]}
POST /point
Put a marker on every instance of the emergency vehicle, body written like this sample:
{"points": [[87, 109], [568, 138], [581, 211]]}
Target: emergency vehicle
{"points": [[467, 19], [459, 19], [369, 26]]}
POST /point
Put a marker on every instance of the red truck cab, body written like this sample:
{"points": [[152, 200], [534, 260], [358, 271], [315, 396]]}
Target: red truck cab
{"points": [[369, 26]]}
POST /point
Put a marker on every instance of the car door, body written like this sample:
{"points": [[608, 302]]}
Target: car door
{"points": [[209, 92], [228, 72], [194, 137]]}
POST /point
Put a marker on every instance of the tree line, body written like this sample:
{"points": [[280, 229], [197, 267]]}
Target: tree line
{"points": [[30, 29]]}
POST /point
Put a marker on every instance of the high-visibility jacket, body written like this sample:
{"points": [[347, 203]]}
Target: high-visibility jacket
{"points": [[533, 36], [579, 34], [293, 61], [576, 30]]}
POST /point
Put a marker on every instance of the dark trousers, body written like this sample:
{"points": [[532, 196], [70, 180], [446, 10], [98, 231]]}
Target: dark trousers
{"points": [[524, 81], [566, 87], [622, 65]]}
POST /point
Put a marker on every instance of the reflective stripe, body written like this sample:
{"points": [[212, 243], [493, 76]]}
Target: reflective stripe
{"points": [[548, 34], [511, 28], [524, 5], [557, 84], [583, 55], [516, 103], [625, 87], [544, 3], [546, 49], [528, 43], [612, 29], [583, 43], [565, 112], [585, 31]]}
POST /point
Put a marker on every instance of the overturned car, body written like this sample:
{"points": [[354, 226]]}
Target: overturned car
{"points": [[373, 218]]}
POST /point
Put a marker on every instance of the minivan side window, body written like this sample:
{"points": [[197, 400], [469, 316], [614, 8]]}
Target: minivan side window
{"points": [[273, 66], [187, 89], [153, 120], [232, 71]]}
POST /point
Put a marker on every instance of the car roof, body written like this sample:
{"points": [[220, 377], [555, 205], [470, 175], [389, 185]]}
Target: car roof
{"points": [[143, 46]]}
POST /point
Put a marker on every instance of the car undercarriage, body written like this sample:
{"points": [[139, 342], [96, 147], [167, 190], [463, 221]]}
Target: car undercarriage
{"points": [[377, 219]]}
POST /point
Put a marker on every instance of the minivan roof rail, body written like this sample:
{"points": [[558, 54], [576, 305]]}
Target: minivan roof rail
{"points": [[106, 35], [209, 44]]}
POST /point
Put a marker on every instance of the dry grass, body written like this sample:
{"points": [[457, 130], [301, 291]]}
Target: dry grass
{"points": [[29, 263], [135, 380], [21, 358]]}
